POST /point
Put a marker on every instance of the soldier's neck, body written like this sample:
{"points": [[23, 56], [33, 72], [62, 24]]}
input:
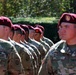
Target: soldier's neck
{"points": [[5, 38], [71, 42]]}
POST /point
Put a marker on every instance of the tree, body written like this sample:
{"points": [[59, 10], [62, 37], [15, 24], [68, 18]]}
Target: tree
{"points": [[36, 8]]}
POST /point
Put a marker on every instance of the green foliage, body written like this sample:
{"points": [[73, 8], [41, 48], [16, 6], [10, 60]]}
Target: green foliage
{"points": [[35, 20], [10, 7], [36, 8]]}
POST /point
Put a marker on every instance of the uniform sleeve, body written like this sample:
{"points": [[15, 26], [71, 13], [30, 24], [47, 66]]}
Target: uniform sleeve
{"points": [[15, 64]]}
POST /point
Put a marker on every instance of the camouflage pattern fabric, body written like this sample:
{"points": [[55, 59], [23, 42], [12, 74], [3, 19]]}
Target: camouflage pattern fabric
{"points": [[48, 41], [39, 46], [26, 57], [46, 46], [38, 55], [10, 61], [34, 55], [60, 60], [38, 60]]}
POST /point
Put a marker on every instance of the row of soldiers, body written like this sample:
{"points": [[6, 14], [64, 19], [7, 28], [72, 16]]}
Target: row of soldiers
{"points": [[22, 48]]}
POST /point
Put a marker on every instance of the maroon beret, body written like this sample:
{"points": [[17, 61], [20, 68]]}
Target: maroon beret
{"points": [[25, 27], [12, 28], [68, 18], [5, 21], [30, 27], [39, 26], [17, 27], [38, 30]]}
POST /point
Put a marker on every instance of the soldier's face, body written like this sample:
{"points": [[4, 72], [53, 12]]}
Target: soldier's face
{"points": [[67, 31], [37, 36], [31, 34]]}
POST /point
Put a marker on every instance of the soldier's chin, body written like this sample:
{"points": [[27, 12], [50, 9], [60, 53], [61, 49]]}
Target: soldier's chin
{"points": [[60, 37]]}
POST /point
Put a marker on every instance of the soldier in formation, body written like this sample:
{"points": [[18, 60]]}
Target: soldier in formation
{"points": [[61, 58], [38, 35], [10, 61], [43, 38]]}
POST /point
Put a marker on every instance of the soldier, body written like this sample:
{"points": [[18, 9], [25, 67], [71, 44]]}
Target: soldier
{"points": [[31, 35], [26, 56], [29, 47], [38, 35], [61, 59], [10, 61], [32, 48], [43, 38]]}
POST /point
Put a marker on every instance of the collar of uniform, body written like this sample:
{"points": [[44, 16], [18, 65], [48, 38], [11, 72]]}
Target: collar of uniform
{"points": [[67, 50]]}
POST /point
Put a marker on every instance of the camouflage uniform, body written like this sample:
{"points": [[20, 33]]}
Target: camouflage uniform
{"points": [[35, 49], [60, 60], [10, 60], [26, 57], [40, 48], [38, 60], [46, 46], [48, 41], [38, 54], [35, 61]]}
